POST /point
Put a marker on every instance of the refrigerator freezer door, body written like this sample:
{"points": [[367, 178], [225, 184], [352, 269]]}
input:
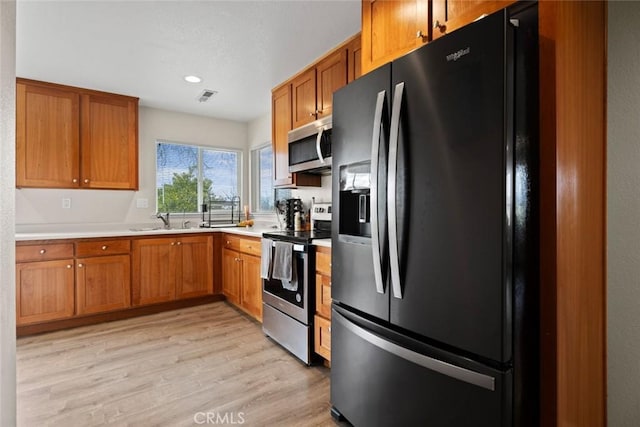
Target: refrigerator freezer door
{"points": [[454, 191], [360, 116], [377, 382]]}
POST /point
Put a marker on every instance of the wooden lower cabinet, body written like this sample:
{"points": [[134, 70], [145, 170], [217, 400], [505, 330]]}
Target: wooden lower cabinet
{"points": [[231, 275], [322, 337], [322, 319], [195, 275], [103, 284], [241, 282], [167, 268], [251, 296], [44, 291]]}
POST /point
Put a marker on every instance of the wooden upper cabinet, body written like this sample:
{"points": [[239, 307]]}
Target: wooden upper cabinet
{"points": [[354, 58], [280, 127], [109, 142], [449, 15], [303, 91], [392, 28], [68, 137], [331, 75], [47, 137]]}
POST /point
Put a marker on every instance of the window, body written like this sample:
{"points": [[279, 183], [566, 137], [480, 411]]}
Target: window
{"points": [[188, 175], [262, 179]]}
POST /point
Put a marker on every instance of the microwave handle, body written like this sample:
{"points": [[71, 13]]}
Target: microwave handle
{"points": [[318, 149]]}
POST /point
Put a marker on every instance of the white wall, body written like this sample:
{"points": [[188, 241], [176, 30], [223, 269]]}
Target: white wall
{"points": [[623, 214], [259, 131], [44, 206], [7, 203]]}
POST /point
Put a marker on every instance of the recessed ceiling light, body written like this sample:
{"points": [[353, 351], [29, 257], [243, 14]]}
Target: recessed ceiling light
{"points": [[193, 79]]}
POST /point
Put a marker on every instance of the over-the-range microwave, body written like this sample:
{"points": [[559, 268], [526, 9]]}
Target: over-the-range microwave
{"points": [[310, 147]]}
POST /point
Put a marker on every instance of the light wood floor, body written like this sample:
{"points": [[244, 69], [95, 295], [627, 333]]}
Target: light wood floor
{"points": [[164, 370]]}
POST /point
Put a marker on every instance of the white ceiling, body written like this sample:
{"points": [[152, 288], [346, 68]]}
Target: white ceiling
{"points": [[240, 48]]}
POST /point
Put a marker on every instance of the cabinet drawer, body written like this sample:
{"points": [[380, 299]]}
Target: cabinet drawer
{"points": [[323, 295], [231, 242], [250, 246], [44, 252], [323, 261], [322, 335], [103, 247]]}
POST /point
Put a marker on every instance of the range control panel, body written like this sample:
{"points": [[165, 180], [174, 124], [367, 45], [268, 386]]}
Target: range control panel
{"points": [[321, 212]]}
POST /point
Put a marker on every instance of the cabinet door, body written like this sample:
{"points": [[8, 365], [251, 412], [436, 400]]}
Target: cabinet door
{"points": [[449, 15], [322, 337], [251, 285], [44, 291], [281, 125], [323, 295], [195, 272], [47, 137], [303, 93], [331, 75], [103, 283], [154, 271], [231, 275], [354, 59], [109, 142], [392, 28]]}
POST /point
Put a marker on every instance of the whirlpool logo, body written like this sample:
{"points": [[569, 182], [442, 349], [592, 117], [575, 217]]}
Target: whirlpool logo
{"points": [[459, 54]]}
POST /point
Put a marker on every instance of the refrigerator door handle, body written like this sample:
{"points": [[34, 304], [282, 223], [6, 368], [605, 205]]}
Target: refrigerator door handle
{"points": [[471, 377], [318, 148], [373, 194], [394, 258]]}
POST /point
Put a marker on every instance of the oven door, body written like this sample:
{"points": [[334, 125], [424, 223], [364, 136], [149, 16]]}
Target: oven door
{"points": [[293, 303]]}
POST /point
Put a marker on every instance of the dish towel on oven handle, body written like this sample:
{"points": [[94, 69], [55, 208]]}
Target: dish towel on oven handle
{"points": [[283, 267], [265, 258]]}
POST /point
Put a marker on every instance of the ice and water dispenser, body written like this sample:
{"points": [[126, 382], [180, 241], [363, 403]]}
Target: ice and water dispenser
{"points": [[355, 197]]}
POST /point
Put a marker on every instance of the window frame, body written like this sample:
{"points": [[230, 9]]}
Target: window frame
{"points": [[199, 173], [255, 174]]}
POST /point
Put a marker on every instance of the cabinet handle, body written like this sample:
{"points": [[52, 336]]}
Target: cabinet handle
{"points": [[68, 265], [104, 247], [173, 243], [74, 180], [421, 35], [43, 251], [179, 243], [437, 25], [329, 329], [312, 114], [228, 242], [80, 265], [86, 181]]}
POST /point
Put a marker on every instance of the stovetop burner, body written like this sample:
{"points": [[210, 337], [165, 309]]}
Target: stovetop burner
{"points": [[304, 237]]}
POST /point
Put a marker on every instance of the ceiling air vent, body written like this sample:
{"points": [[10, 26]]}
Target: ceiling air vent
{"points": [[206, 95]]}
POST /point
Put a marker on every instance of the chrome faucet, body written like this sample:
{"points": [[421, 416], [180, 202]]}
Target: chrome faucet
{"points": [[165, 220]]}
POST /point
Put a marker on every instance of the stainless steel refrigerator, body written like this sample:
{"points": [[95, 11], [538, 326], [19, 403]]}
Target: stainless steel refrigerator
{"points": [[435, 233]]}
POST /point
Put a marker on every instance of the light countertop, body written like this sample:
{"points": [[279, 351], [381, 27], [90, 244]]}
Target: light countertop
{"points": [[82, 231]]}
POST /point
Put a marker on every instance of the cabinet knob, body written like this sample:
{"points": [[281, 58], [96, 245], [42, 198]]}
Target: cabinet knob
{"points": [[179, 243], [80, 265], [228, 242], [173, 243], [329, 329], [43, 251], [104, 247], [437, 25], [68, 265], [86, 181], [421, 35], [312, 114], [74, 180]]}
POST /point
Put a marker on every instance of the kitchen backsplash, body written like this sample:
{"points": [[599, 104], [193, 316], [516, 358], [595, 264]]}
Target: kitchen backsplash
{"points": [[322, 194]]}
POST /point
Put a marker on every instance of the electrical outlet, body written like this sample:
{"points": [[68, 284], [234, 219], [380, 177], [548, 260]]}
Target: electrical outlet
{"points": [[142, 203], [66, 203]]}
